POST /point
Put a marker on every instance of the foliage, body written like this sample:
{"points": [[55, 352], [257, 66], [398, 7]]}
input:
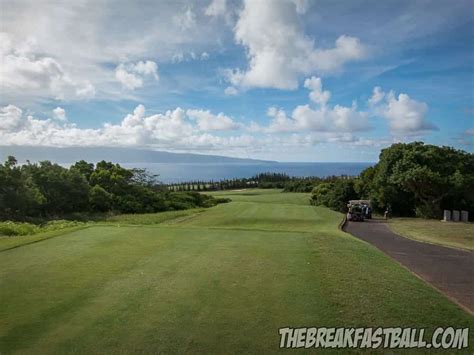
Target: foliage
{"points": [[47, 190], [10, 228], [334, 195], [263, 181], [409, 179], [99, 199], [420, 179]]}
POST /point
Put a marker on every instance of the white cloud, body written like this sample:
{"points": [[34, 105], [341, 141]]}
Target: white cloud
{"points": [[377, 96], [304, 118], [185, 20], [279, 121], [132, 75], [317, 94], [25, 72], [59, 114], [405, 115], [86, 91], [11, 118], [175, 130], [128, 80], [469, 132], [72, 52], [216, 8], [189, 56], [231, 91], [321, 119], [208, 122], [349, 118], [279, 51]]}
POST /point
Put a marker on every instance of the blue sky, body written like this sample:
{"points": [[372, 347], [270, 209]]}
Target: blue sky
{"points": [[288, 80]]}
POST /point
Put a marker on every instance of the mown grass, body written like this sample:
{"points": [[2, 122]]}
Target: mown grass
{"points": [[152, 218], [14, 234], [272, 196], [220, 281], [450, 234], [17, 241]]}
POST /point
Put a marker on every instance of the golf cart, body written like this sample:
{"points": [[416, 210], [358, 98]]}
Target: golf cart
{"points": [[358, 210]]}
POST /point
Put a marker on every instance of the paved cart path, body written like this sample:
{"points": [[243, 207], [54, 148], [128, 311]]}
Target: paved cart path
{"points": [[449, 270]]}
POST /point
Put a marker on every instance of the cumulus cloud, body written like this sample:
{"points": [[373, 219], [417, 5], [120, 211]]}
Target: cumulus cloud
{"points": [[405, 115], [10, 118], [323, 118], [207, 121], [59, 114], [175, 129], [304, 118], [132, 75], [179, 130], [377, 96], [317, 94], [26, 72], [279, 51]]}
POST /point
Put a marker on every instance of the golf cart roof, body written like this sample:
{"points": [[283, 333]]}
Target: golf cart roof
{"points": [[359, 202]]}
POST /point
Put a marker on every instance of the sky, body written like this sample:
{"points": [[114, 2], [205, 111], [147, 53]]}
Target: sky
{"points": [[286, 80]]}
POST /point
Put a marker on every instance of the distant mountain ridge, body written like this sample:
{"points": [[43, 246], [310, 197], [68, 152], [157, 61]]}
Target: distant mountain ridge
{"points": [[70, 155]]}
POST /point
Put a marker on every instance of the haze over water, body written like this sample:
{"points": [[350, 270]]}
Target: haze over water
{"points": [[181, 172]]}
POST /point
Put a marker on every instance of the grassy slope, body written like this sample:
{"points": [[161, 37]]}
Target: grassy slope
{"points": [[17, 241], [152, 218], [199, 284], [457, 235]]}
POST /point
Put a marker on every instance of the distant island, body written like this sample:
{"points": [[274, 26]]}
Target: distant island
{"points": [[69, 155]]}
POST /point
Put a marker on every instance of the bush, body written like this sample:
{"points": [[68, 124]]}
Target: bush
{"points": [[9, 228]]}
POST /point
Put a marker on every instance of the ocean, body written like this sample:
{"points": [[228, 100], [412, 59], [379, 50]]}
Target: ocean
{"points": [[182, 172]]}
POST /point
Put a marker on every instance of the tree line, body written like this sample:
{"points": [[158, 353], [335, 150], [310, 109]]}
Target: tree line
{"points": [[267, 180], [262, 180], [47, 190], [410, 179], [413, 179]]}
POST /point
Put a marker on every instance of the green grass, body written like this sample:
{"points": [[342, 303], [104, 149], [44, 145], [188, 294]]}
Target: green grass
{"points": [[10, 229], [152, 218], [264, 196], [451, 234], [17, 241], [218, 281]]}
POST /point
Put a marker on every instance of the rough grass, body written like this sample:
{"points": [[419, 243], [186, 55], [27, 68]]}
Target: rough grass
{"points": [[451, 234], [220, 281]]}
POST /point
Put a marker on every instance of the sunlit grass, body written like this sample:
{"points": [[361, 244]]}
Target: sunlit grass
{"points": [[451, 234], [214, 281]]}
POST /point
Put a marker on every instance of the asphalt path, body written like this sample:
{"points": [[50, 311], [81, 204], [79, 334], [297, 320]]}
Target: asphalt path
{"points": [[449, 270]]}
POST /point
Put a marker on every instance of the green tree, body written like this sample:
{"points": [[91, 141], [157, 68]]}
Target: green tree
{"points": [[85, 168], [421, 179], [100, 200]]}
